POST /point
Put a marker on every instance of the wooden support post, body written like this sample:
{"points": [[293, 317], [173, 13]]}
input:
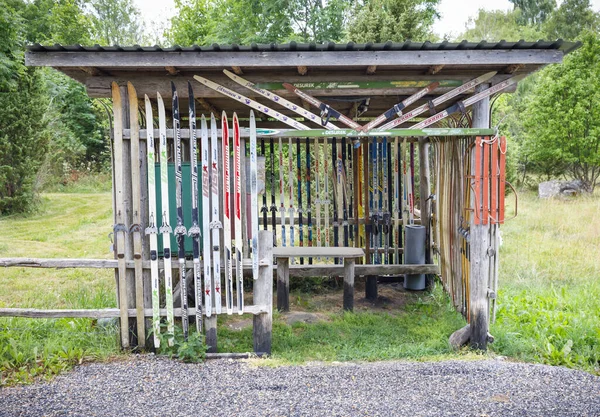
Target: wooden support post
{"points": [[283, 284], [210, 333], [425, 202], [349, 264], [263, 293], [478, 286]]}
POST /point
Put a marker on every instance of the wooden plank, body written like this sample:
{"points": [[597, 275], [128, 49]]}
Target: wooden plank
{"points": [[283, 284], [208, 106], [193, 59], [479, 256], [424, 192], [263, 294], [110, 312], [322, 251], [302, 69], [172, 70], [93, 71], [349, 264], [371, 69]]}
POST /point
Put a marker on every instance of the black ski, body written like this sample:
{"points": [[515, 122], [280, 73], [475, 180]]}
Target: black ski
{"points": [[264, 210], [273, 206], [308, 210], [345, 197], [336, 224]]}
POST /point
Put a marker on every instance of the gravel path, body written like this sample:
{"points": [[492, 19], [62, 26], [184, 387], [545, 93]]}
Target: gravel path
{"points": [[150, 386]]}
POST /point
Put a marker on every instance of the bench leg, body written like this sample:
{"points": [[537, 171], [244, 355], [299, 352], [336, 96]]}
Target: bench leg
{"points": [[283, 284], [349, 264], [371, 288]]}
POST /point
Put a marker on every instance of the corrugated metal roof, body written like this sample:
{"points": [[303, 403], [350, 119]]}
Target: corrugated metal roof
{"points": [[559, 44]]}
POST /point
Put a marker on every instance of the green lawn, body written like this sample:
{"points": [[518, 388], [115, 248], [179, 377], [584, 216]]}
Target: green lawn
{"points": [[549, 297]]}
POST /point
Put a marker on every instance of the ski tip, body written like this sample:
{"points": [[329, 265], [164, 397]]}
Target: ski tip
{"points": [[224, 116], [488, 75], [130, 88], [190, 90], [173, 86], [212, 118], [229, 73], [146, 99]]}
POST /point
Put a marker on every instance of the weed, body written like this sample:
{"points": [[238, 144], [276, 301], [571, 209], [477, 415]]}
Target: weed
{"points": [[191, 351]]}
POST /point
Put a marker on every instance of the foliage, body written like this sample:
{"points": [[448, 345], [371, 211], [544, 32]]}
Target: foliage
{"points": [[192, 350], [393, 20], [116, 22], [534, 12], [572, 18], [318, 21], [562, 121], [497, 25]]}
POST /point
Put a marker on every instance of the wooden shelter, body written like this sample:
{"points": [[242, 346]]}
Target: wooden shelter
{"points": [[361, 81]]}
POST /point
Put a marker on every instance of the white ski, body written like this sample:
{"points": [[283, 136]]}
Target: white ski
{"points": [[208, 281], [281, 192], [239, 245], [152, 230], [227, 215], [215, 224], [254, 196]]}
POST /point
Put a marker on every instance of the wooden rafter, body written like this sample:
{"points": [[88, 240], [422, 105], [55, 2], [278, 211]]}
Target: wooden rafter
{"points": [[434, 69], [93, 71], [511, 69], [208, 106], [172, 70], [302, 69], [371, 69], [237, 70]]}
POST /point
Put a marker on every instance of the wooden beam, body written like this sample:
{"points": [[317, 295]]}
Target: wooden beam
{"points": [[302, 69], [371, 69], [434, 69], [237, 70], [200, 60], [511, 69], [172, 70], [93, 71], [208, 106]]}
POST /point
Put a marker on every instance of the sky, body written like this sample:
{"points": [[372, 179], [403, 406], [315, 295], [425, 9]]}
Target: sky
{"points": [[454, 13]]}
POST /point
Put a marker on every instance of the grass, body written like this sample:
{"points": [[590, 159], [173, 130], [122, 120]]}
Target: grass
{"points": [[549, 297]]}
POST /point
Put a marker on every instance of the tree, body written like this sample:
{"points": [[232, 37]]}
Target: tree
{"points": [[572, 18], [562, 122], [534, 12], [393, 20], [115, 22], [318, 20], [498, 25]]}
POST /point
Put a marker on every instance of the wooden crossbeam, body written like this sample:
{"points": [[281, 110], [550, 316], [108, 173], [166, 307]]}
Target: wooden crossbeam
{"points": [[93, 71], [172, 70], [371, 69], [302, 70], [434, 69], [208, 106], [511, 69], [237, 70]]}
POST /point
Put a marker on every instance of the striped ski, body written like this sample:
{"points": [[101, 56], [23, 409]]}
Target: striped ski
{"points": [[227, 215], [152, 230], [438, 100], [239, 248], [264, 209], [282, 208], [462, 105], [251, 103], [300, 209], [291, 209], [326, 110], [180, 230], [208, 281], [215, 221], [194, 230], [308, 202], [279, 100], [398, 108], [254, 196], [165, 230], [119, 229]]}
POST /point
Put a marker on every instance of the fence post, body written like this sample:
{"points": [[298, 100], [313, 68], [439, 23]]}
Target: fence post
{"points": [[263, 293]]}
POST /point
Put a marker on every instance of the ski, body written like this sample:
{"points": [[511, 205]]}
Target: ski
{"points": [[291, 209], [308, 209], [376, 207], [347, 85], [119, 229], [136, 229], [462, 105], [279, 100], [300, 209], [208, 280], [350, 178], [326, 200], [180, 230], [397, 230], [438, 100], [165, 229], [344, 179], [227, 215], [372, 220], [152, 230], [264, 210], [281, 196], [254, 196], [237, 181], [215, 223], [251, 103], [326, 111], [386, 214], [397, 108], [339, 195], [273, 205], [194, 230], [318, 191]]}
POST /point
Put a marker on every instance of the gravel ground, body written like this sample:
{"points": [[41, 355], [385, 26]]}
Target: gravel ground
{"points": [[151, 386]]}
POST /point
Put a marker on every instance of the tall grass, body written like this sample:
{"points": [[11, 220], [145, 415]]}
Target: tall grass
{"points": [[549, 295]]}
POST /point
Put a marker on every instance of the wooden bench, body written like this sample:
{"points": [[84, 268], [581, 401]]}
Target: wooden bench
{"points": [[283, 255]]}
